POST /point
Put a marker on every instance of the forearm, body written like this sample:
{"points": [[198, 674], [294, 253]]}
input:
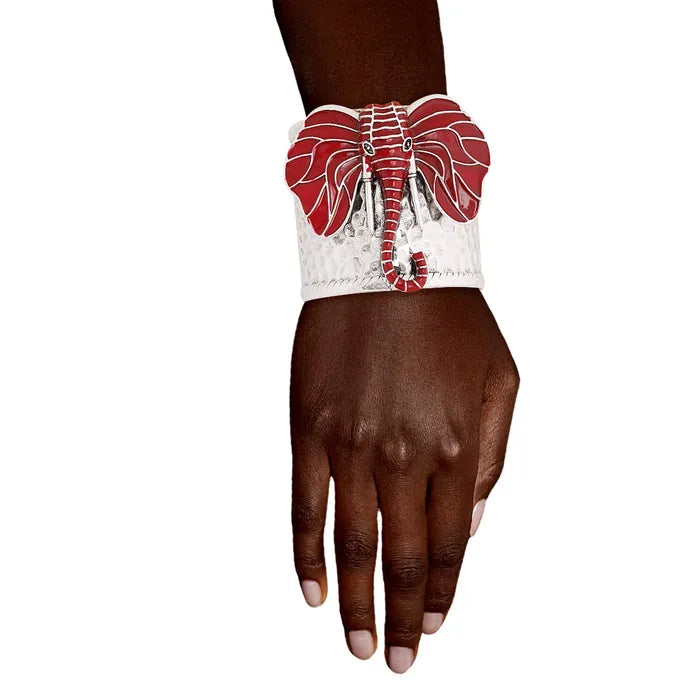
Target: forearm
{"points": [[354, 52]]}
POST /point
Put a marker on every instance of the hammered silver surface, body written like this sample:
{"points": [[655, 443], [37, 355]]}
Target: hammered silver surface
{"points": [[348, 261]]}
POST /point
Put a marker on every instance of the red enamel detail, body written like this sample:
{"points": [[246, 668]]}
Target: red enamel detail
{"points": [[324, 166], [451, 155]]}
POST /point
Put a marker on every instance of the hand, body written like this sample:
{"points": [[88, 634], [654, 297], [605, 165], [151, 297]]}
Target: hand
{"points": [[406, 401]]}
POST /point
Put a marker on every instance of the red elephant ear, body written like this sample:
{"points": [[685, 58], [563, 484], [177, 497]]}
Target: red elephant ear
{"points": [[451, 155], [324, 166]]}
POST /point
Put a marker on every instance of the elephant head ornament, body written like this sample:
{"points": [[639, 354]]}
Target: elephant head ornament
{"points": [[339, 147]]}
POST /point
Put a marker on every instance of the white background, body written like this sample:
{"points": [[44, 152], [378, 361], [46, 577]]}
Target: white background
{"points": [[148, 297]]}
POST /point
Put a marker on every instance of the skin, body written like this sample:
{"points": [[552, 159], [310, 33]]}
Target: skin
{"points": [[404, 400]]}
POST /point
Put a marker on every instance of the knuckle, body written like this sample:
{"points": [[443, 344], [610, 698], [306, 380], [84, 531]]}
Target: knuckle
{"points": [[357, 613], [510, 379], [450, 448], [402, 632], [355, 549], [460, 446], [306, 518], [319, 421], [398, 453], [438, 601], [312, 416], [448, 555], [405, 575], [360, 434], [307, 562]]}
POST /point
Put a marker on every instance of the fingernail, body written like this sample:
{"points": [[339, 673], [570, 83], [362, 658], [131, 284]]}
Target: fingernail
{"points": [[400, 659], [477, 514], [432, 622], [312, 593], [361, 644]]}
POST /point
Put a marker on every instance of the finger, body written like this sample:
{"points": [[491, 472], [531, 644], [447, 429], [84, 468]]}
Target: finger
{"points": [[405, 565], [449, 515], [500, 391], [310, 477], [356, 553]]}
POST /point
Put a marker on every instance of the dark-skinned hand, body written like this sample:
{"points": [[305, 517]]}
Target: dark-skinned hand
{"points": [[404, 400]]}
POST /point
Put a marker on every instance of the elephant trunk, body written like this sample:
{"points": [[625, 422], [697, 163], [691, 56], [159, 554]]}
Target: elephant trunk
{"points": [[393, 181]]}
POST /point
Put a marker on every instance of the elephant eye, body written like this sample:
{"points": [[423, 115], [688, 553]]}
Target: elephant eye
{"points": [[369, 148], [407, 144]]}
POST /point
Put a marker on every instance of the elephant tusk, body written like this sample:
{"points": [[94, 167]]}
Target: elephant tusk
{"points": [[367, 182], [415, 202]]}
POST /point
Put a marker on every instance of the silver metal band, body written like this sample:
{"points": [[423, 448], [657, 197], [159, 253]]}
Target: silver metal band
{"points": [[348, 262]]}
